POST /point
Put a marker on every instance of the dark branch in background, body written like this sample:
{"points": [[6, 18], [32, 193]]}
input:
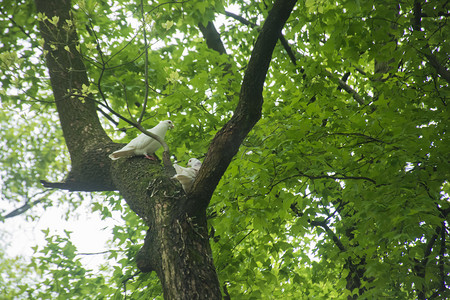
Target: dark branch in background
{"points": [[214, 42], [344, 79], [420, 267], [212, 37], [440, 69], [417, 10], [288, 48], [442, 256], [346, 87]]}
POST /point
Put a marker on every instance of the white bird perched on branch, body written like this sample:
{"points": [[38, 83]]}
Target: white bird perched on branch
{"points": [[186, 176], [143, 144]]}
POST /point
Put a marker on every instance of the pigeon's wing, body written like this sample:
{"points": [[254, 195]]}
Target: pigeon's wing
{"points": [[151, 147], [127, 151], [140, 141]]}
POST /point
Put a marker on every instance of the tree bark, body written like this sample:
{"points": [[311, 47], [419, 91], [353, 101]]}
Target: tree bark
{"points": [[177, 244]]}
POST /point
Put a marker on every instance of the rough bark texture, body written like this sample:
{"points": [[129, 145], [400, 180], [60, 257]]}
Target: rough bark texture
{"points": [[177, 245]]}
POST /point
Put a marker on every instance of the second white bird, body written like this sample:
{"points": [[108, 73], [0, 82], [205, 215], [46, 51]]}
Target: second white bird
{"points": [[186, 176]]}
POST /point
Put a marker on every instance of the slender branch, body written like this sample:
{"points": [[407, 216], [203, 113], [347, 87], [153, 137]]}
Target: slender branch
{"points": [[281, 37], [343, 177], [288, 48], [358, 134], [346, 88], [107, 116], [144, 105], [96, 253], [242, 239], [30, 38], [241, 19], [22, 209], [28, 205]]}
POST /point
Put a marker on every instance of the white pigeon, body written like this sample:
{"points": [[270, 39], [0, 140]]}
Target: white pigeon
{"points": [[186, 176], [143, 144]]}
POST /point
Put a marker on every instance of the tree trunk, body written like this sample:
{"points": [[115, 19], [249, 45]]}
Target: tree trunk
{"points": [[177, 244]]}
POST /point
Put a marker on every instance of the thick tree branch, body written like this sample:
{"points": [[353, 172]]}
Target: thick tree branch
{"points": [[227, 141]]}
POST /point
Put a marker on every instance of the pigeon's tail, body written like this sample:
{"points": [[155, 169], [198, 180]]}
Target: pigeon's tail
{"points": [[120, 153]]}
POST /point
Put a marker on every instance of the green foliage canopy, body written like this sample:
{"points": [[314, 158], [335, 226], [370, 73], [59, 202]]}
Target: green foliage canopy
{"points": [[341, 188]]}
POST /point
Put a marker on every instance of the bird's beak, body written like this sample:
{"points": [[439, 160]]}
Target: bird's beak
{"points": [[171, 126]]}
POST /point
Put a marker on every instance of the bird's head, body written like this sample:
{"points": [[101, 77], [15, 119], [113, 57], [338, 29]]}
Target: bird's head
{"points": [[193, 162], [169, 123]]}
